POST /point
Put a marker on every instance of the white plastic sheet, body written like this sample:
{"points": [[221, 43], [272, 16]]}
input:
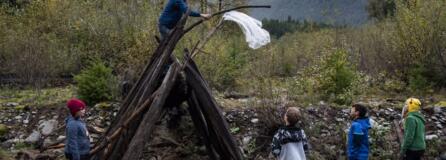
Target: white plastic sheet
{"points": [[255, 35]]}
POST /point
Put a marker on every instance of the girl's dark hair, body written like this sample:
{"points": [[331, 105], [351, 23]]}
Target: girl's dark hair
{"points": [[361, 109]]}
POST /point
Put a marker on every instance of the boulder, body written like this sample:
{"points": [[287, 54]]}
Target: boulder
{"points": [[34, 137], [48, 127], [431, 137]]}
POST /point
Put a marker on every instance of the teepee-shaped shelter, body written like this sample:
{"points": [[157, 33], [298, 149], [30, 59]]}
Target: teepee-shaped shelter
{"points": [[157, 90]]}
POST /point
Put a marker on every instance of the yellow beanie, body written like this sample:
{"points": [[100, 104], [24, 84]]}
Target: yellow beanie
{"points": [[413, 104]]}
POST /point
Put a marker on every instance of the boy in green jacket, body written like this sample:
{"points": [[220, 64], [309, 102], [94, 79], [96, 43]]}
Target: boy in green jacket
{"points": [[414, 144]]}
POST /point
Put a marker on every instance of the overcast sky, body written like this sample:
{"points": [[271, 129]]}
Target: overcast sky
{"points": [[351, 12]]}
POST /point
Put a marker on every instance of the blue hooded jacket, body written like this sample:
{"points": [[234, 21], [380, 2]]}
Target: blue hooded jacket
{"points": [[359, 129], [77, 141], [173, 11]]}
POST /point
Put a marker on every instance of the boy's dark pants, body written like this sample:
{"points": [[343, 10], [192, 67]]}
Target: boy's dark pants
{"points": [[70, 157]]}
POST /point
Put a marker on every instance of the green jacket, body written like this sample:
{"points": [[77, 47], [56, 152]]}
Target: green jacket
{"points": [[414, 133]]}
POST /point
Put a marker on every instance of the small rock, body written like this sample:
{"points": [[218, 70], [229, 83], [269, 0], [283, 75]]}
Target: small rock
{"points": [[60, 138], [255, 120], [437, 109], [47, 142], [431, 137], [435, 118], [47, 127], [25, 121], [18, 117], [33, 138], [246, 140], [439, 126], [12, 104], [324, 131], [8, 143], [339, 120], [321, 103], [153, 158], [245, 100]]}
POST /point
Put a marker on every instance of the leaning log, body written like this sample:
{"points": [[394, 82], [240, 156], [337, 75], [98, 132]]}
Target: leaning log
{"points": [[156, 111], [218, 127]]}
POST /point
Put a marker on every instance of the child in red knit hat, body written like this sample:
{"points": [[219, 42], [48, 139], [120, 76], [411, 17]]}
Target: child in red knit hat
{"points": [[77, 145]]}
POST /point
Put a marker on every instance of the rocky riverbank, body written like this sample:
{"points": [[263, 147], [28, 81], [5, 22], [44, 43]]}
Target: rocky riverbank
{"points": [[25, 130]]}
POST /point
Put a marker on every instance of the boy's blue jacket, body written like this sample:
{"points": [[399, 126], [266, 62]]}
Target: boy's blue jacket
{"points": [[360, 128], [77, 141], [173, 11]]}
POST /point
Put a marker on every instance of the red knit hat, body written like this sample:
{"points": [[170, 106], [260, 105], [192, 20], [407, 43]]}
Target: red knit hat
{"points": [[75, 105]]}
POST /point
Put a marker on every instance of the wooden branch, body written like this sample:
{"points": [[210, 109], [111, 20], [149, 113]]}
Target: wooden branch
{"points": [[218, 126], [121, 128], [204, 41], [222, 12], [156, 111], [201, 125], [398, 130]]}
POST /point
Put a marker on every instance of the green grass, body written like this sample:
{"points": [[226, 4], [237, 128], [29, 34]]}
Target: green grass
{"points": [[33, 97], [4, 155], [441, 104], [23, 146]]}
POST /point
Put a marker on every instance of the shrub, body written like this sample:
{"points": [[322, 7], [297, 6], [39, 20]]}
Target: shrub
{"points": [[96, 83], [337, 77], [418, 80], [334, 79]]}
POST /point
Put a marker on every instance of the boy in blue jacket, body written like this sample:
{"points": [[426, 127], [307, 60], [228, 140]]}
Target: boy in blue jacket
{"points": [[172, 14], [358, 135], [77, 146]]}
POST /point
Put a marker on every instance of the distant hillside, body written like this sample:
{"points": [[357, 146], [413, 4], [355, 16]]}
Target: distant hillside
{"points": [[351, 12]]}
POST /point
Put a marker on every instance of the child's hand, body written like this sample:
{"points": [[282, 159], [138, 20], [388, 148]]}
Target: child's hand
{"points": [[206, 16]]}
